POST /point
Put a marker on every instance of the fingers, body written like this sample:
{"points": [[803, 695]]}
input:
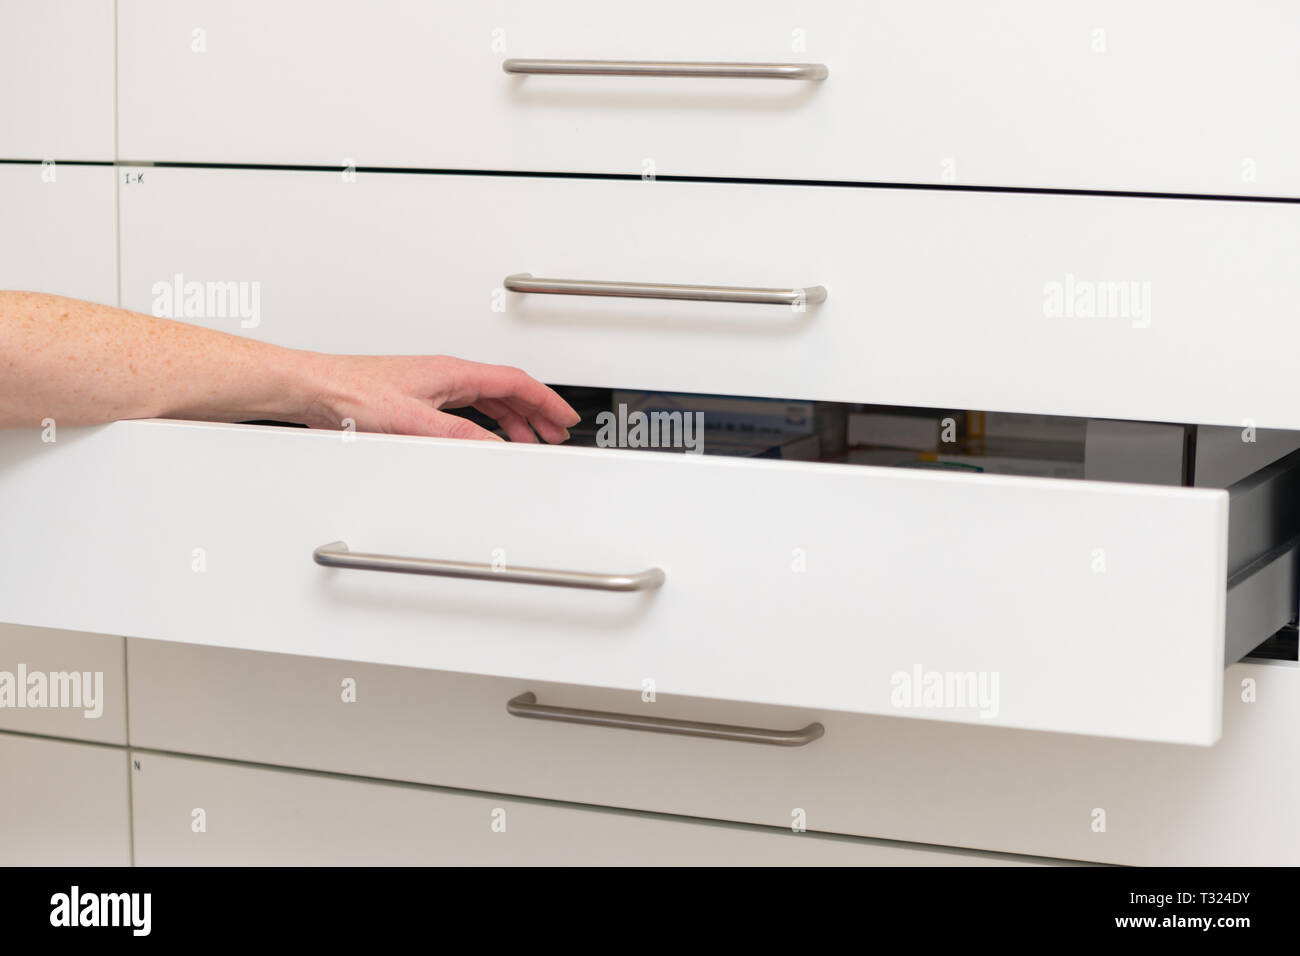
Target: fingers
{"points": [[406, 395], [549, 429], [414, 417], [523, 393], [441, 425], [516, 427]]}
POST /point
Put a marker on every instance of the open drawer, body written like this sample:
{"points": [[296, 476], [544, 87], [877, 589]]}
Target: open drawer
{"points": [[1060, 605]]}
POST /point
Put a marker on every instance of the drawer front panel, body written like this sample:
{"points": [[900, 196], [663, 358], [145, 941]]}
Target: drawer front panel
{"points": [[1106, 95], [829, 586], [56, 64], [63, 804], [1023, 792], [62, 683], [206, 813], [934, 299], [60, 230]]}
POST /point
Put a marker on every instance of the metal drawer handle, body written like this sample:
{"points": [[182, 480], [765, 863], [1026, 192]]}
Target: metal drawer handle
{"points": [[741, 71], [527, 282], [336, 555], [525, 705]]}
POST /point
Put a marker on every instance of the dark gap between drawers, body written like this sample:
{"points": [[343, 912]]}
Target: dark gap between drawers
{"points": [[958, 441], [756, 181]]}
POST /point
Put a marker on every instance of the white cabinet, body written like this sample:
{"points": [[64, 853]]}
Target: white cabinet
{"points": [[59, 230], [207, 813], [63, 803], [1080, 209], [57, 73], [1164, 96]]}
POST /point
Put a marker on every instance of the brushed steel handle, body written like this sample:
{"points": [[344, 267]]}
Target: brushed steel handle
{"points": [[708, 70], [527, 282], [336, 555], [525, 705]]}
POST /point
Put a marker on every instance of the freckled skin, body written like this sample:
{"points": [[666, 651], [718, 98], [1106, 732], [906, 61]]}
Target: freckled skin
{"points": [[84, 364]]}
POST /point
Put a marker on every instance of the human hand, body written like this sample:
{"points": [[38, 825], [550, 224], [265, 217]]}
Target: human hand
{"points": [[406, 395]]}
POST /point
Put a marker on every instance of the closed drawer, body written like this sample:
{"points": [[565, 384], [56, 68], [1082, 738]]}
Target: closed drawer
{"points": [[1067, 796], [206, 813], [63, 804], [816, 586], [1084, 306], [62, 683], [56, 66], [1086, 95], [60, 230]]}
